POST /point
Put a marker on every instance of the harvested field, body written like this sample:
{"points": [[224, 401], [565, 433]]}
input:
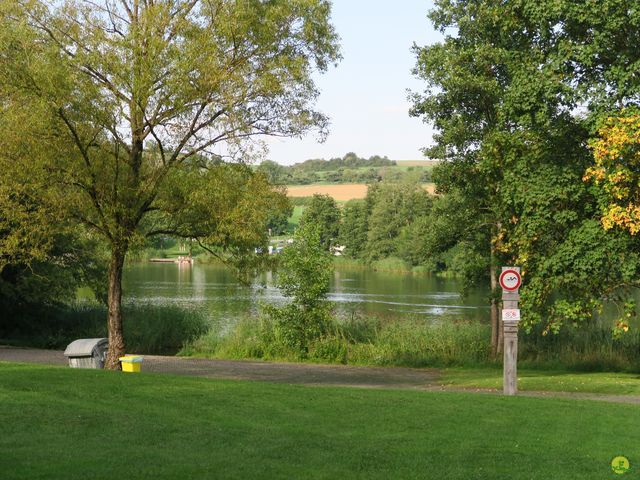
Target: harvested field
{"points": [[417, 163], [340, 193], [343, 192]]}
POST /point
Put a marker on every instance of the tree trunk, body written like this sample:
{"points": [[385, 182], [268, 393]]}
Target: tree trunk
{"points": [[114, 300], [497, 340], [498, 301], [495, 321]]}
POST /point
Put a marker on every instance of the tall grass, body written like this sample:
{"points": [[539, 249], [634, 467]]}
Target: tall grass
{"points": [[355, 340], [413, 342], [591, 348], [391, 264], [352, 339], [148, 329]]}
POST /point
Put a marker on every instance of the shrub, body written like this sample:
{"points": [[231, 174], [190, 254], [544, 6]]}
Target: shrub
{"points": [[304, 273]]}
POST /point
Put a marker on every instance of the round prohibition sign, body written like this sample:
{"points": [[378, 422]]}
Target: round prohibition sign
{"points": [[510, 280]]}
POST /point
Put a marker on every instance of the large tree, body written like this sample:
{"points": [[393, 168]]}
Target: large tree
{"points": [[136, 90], [466, 79], [513, 91]]}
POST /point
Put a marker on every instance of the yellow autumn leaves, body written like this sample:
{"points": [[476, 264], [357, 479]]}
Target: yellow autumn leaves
{"points": [[617, 169]]}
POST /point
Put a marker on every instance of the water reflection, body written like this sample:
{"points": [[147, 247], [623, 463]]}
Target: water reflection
{"points": [[214, 291]]}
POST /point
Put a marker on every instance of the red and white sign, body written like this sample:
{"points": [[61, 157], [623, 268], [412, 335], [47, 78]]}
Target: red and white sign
{"points": [[510, 314], [510, 280]]}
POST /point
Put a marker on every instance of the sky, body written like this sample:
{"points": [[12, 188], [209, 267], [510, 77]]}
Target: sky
{"points": [[365, 96]]}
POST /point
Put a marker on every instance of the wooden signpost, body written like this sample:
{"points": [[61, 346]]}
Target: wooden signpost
{"points": [[510, 282]]}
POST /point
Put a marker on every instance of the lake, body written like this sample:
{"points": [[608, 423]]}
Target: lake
{"points": [[214, 291]]}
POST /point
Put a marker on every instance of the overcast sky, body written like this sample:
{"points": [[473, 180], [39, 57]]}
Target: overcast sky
{"points": [[366, 95]]}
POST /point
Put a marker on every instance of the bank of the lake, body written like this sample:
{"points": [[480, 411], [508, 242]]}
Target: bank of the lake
{"points": [[381, 318]]}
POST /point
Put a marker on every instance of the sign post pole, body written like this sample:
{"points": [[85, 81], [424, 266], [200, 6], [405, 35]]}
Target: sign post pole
{"points": [[510, 281]]}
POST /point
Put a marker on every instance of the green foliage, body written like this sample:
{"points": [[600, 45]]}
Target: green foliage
{"points": [[394, 208], [389, 222], [304, 272], [502, 90], [226, 207], [296, 328], [305, 269], [322, 213], [354, 340], [412, 342], [130, 98], [348, 169], [149, 329], [278, 220], [350, 160], [354, 227], [275, 172]]}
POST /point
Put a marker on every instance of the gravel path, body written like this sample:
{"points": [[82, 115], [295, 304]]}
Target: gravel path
{"points": [[297, 373], [293, 373]]}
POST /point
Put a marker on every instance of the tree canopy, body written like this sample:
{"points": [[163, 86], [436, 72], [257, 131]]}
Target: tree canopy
{"points": [[131, 94], [323, 214], [514, 91]]}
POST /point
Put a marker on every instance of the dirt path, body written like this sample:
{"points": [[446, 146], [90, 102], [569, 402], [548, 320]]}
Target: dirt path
{"points": [[302, 374], [294, 373]]}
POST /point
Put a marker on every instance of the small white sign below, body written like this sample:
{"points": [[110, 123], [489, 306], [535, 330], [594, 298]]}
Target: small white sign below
{"points": [[511, 314]]}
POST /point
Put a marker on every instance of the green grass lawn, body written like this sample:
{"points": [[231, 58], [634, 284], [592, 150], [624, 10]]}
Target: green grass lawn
{"points": [[546, 380], [294, 221], [65, 424]]}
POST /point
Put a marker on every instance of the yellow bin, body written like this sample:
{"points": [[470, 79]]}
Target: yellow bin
{"points": [[131, 363]]}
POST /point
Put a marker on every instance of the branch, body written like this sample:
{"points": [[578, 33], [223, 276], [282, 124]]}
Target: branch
{"points": [[92, 192], [193, 129], [215, 254], [127, 9]]}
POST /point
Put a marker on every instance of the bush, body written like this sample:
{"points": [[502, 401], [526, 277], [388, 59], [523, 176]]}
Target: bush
{"points": [[304, 274]]}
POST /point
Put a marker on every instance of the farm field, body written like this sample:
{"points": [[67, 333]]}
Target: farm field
{"points": [[62, 423], [340, 193], [416, 163]]}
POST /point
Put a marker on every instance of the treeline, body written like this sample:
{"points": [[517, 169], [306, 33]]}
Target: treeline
{"points": [[348, 169], [350, 160], [390, 222]]}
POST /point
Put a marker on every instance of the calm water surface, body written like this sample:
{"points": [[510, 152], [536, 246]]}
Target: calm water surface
{"points": [[214, 291]]}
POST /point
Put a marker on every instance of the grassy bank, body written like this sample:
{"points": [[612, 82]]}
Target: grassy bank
{"points": [[147, 328], [390, 264], [63, 423], [411, 342]]}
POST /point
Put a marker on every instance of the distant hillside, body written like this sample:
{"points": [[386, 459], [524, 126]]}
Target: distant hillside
{"points": [[350, 160], [349, 169]]}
